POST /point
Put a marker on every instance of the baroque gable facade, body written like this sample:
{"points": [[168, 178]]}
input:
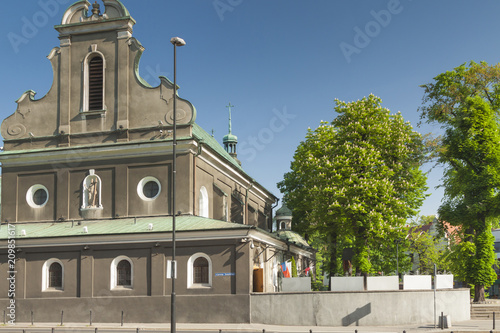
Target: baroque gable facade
{"points": [[87, 193]]}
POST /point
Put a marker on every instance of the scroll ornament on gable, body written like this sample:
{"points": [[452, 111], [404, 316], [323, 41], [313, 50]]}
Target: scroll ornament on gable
{"points": [[15, 126]]}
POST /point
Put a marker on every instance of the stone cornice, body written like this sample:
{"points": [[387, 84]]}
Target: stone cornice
{"points": [[95, 153], [118, 24]]}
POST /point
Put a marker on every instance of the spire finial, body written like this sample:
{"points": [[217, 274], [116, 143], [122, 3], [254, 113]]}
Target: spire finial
{"points": [[229, 107], [96, 9]]}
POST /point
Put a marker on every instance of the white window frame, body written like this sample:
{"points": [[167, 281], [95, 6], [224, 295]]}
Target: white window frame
{"points": [[140, 188], [46, 275], [190, 272], [114, 274], [203, 203], [31, 191], [226, 209], [86, 61]]}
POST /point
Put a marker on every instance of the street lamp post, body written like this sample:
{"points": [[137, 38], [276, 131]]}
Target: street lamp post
{"points": [[176, 41]]}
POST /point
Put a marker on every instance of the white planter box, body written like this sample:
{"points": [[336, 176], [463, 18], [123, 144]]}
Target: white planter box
{"points": [[347, 283], [382, 283], [417, 282]]}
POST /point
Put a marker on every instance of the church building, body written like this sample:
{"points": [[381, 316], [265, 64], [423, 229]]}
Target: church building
{"points": [[87, 194]]}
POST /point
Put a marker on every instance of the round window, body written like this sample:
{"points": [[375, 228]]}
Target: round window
{"points": [[37, 196], [151, 189], [40, 197], [148, 188]]}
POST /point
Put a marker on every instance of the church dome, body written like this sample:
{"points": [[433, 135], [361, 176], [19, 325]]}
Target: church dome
{"points": [[284, 211], [229, 138]]}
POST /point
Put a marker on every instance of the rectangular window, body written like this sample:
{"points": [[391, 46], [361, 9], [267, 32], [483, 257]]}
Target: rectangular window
{"points": [[96, 80]]}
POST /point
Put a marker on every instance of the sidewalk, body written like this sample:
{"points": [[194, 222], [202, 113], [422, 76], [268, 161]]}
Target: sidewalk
{"points": [[460, 327]]}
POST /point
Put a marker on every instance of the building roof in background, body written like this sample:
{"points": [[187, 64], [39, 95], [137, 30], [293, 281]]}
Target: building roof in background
{"points": [[292, 237], [284, 211]]}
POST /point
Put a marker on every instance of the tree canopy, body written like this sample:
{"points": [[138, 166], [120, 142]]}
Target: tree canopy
{"points": [[465, 102], [354, 182]]}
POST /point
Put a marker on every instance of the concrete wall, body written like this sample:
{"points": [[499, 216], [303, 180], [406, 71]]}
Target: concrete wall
{"points": [[359, 308], [311, 308]]}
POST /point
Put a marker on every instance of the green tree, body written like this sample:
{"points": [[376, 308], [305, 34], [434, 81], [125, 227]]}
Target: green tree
{"points": [[465, 102], [355, 181], [294, 267], [427, 250]]}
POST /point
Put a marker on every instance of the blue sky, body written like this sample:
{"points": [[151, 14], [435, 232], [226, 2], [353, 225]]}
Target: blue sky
{"points": [[281, 63]]}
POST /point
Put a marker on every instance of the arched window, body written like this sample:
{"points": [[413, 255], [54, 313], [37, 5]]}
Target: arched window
{"points": [[237, 211], [282, 226], [94, 66], [55, 275], [52, 275], [203, 202], [122, 273], [199, 271]]}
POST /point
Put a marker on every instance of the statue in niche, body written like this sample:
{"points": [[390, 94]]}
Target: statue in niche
{"points": [[91, 195]]}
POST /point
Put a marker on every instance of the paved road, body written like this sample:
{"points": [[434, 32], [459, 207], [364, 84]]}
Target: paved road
{"points": [[92, 330], [471, 326], [124, 330]]}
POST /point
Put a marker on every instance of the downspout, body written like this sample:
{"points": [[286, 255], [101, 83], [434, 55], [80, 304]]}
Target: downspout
{"points": [[198, 153]]}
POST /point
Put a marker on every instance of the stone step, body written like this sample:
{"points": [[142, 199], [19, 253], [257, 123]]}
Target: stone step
{"points": [[482, 316], [484, 311]]}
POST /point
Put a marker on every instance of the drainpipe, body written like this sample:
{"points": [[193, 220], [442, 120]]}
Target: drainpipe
{"points": [[198, 153]]}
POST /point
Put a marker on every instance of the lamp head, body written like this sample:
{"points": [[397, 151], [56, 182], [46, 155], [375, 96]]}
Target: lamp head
{"points": [[177, 41]]}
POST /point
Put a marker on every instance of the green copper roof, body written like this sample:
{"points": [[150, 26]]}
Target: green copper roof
{"points": [[118, 226], [210, 141], [284, 211], [230, 138], [292, 237]]}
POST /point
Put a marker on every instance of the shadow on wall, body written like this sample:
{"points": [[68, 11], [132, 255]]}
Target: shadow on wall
{"points": [[357, 315]]}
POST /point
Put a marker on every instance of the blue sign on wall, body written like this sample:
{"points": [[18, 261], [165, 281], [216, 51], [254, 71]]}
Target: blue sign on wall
{"points": [[225, 274]]}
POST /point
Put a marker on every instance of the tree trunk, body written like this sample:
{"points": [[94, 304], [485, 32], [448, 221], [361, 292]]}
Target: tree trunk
{"points": [[333, 261], [479, 293]]}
